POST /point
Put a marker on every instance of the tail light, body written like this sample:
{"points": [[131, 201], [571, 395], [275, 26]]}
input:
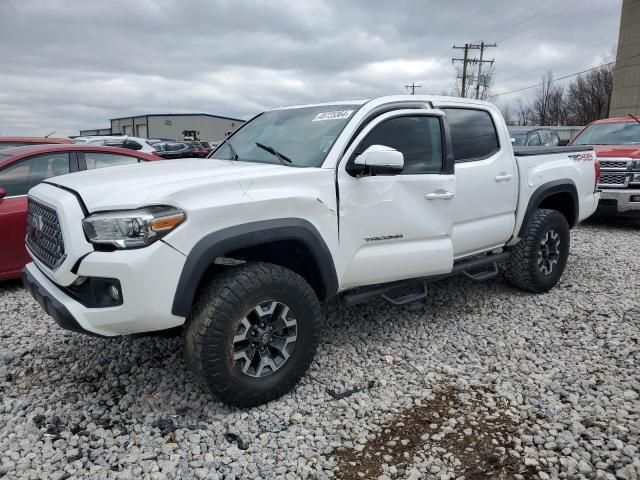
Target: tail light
{"points": [[596, 166]]}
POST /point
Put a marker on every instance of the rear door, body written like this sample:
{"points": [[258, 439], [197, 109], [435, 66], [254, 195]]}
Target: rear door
{"points": [[17, 179], [486, 176], [397, 225]]}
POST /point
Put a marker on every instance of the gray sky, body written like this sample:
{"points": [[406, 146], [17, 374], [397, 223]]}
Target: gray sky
{"points": [[67, 65]]}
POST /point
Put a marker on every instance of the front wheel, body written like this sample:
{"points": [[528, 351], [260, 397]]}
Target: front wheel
{"points": [[252, 333], [538, 261]]}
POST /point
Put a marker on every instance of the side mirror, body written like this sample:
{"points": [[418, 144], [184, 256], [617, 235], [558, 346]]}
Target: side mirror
{"points": [[3, 192], [381, 159]]}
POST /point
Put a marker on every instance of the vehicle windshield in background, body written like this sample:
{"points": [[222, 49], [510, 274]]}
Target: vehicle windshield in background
{"points": [[519, 139], [614, 133], [305, 135]]}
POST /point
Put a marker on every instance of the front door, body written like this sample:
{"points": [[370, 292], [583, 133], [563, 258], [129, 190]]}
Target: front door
{"points": [[395, 226]]}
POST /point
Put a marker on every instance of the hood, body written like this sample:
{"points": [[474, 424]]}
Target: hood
{"points": [[132, 186], [629, 151]]}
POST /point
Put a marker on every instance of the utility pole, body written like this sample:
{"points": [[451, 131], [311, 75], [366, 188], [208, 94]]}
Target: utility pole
{"points": [[464, 61], [482, 47], [413, 87], [473, 61]]}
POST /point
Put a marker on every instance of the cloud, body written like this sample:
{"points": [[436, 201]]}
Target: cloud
{"points": [[68, 65]]}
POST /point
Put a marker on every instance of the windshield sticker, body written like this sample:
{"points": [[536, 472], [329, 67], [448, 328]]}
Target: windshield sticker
{"points": [[337, 115]]}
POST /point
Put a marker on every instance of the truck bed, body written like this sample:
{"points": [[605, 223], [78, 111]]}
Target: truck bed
{"points": [[527, 151]]}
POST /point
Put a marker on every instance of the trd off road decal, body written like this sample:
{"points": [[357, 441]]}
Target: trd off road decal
{"points": [[383, 237], [336, 115], [581, 157]]}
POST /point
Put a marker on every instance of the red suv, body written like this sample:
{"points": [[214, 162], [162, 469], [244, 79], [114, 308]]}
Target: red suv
{"points": [[24, 167], [617, 144]]}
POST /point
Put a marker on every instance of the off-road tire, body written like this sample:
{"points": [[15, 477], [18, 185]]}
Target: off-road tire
{"points": [[522, 269], [218, 310]]}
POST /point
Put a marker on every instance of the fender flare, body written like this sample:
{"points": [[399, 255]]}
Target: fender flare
{"points": [[564, 185], [221, 242]]}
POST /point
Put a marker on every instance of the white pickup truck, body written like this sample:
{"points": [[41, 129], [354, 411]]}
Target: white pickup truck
{"points": [[302, 204]]}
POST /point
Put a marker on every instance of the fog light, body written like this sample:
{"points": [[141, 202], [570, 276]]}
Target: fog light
{"points": [[114, 293], [634, 198]]}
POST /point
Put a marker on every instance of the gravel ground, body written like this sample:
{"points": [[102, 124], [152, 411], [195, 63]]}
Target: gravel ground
{"points": [[483, 381]]}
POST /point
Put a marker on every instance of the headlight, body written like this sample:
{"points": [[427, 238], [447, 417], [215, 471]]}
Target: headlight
{"points": [[132, 228]]}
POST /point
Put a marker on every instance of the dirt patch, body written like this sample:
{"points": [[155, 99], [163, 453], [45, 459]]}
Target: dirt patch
{"points": [[456, 429]]}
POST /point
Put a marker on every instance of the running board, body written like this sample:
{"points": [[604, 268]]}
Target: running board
{"points": [[367, 293], [483, 276], [408, 298]]}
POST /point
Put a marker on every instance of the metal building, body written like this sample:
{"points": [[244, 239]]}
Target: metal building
{"points": [[175, 126], [626, 75]]}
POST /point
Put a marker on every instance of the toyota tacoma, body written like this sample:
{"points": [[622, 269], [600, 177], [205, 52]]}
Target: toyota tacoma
{"points": [[353, 199]]}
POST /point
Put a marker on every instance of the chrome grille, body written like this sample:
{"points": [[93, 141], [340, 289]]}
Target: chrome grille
{"points": [[44, 237], [614, 164], [613, 179]]}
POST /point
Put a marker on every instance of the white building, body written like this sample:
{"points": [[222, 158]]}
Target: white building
{"points": [[175, 126]]}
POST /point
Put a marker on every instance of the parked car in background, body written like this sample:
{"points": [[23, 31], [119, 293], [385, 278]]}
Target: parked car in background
{"points": [[23, 167], [173, 150], [10, 142], [131, 143], [199, 149], [617, 143], [537, 137]]}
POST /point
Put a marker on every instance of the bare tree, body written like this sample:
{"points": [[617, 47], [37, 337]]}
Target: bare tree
{"points": [[547, 104], [588, 97], [524, 113], [509, 119]]}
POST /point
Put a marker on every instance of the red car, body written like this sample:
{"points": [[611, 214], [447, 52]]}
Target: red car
{"points": [[617, 145], [24, 167], [10, 142]]}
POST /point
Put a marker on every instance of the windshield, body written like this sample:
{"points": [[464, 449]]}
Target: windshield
{"points": [[615, 133], [519, 139], [305, 135]]}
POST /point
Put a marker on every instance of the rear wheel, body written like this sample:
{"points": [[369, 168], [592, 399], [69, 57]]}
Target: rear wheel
{"points": [[538, 261], [252, 333]]}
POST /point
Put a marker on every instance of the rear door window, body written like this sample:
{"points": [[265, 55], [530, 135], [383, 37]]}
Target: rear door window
{"points": [[95, 160], [473, 134], [19, 177]]}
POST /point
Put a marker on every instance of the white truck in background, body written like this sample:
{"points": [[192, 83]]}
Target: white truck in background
{"points": [[301, 204]]}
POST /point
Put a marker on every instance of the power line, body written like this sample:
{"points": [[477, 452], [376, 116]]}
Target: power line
{"points": [[526, 19], [566, 76], [541, 67], [556, 79], [545, 18], [517, 17]]}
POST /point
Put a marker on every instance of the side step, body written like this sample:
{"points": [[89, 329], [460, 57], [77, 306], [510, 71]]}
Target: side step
{"points": [[367, 293], [408, 298]]}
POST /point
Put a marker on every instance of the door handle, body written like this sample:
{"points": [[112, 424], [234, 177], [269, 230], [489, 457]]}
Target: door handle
{"points": [[503, 177], [439, 196]]}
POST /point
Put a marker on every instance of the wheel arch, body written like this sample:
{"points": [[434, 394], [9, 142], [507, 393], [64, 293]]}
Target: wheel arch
{"points": [[560, 195], [257, 241]]}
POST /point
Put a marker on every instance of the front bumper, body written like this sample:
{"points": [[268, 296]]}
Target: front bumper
{"points": [[620, 200], [148, 278]]}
